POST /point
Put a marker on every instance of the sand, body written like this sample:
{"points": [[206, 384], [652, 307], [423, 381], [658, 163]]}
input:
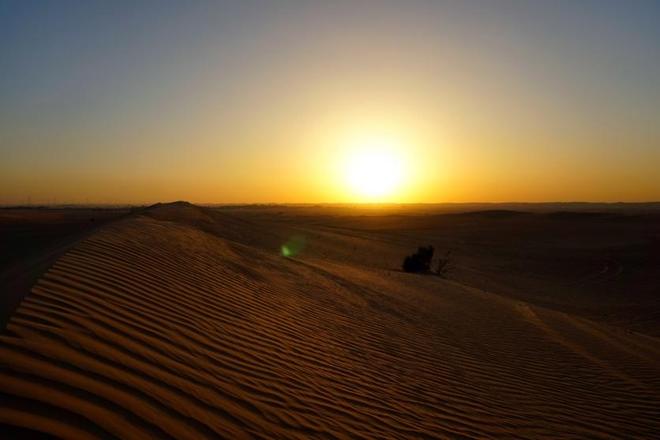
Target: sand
{"points": [[183, 322]]}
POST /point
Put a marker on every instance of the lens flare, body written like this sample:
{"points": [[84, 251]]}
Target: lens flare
{"points": [[293, 246]]}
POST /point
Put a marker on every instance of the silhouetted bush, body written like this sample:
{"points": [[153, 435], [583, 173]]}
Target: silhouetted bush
{"points": [[419, 262]]}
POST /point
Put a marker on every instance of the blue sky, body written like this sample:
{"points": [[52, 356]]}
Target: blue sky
{"points": [[139, 101]]}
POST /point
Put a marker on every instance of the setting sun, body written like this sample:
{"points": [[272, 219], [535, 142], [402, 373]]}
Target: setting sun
{"points": [[374, 170]]}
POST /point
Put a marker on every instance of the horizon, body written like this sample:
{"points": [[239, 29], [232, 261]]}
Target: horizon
{"points": [[350, 103], [375, 205]]}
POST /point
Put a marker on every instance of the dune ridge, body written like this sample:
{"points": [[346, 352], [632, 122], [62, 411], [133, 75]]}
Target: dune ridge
{"points": [[156, 327]]}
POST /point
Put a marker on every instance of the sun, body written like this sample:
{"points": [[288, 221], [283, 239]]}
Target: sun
{"points": [[374, 169]]}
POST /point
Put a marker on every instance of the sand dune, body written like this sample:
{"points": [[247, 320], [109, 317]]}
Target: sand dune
{"points": [[186, 323]]}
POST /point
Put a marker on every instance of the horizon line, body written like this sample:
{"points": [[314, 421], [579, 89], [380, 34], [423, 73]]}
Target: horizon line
{"points": [[220, 204]]}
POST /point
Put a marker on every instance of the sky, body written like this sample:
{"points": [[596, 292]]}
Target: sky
{"points": [[232, 102]]}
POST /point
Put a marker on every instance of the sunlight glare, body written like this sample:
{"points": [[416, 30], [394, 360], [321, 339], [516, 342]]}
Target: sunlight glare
{"points": [[374, 169]]}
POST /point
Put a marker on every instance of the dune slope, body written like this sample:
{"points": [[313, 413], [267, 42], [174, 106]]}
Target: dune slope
{"points": [[154, 328]]}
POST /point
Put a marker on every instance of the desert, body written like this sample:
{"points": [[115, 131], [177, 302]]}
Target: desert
{"points": [[181, 321]]}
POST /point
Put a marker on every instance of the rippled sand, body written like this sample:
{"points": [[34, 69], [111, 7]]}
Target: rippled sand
{"points": [[157, 327]]}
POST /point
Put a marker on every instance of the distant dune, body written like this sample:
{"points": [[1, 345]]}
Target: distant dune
{"points": [[186, 322]]}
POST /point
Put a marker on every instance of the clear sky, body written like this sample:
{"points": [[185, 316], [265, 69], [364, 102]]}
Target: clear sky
{"points": [[110, 101]]}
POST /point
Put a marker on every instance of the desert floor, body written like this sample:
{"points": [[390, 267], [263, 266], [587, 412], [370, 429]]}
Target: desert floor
{"points": [[178, 321]]}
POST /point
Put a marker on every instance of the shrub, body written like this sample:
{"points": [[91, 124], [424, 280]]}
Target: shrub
{"points": [[419, 262]]}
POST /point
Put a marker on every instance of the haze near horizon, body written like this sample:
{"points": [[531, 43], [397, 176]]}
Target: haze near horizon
{"points": [[292, 102]]}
